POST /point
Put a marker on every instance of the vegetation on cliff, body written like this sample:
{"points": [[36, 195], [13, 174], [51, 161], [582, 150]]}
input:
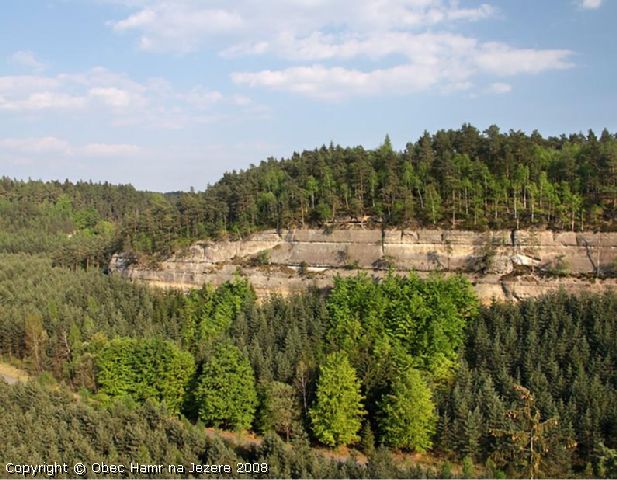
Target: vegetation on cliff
{"points": [[455, 178], [460, 178]]}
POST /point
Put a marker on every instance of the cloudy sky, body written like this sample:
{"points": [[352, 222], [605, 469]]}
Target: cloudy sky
{"points": [[170, 94]]}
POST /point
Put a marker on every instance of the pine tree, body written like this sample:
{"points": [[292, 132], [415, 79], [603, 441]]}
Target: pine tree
{"points": [[278, 409]]}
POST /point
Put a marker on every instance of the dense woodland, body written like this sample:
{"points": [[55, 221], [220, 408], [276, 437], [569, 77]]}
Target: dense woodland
{"points": [[40, 423], [455, 179], [401, 364], [371, 368]]}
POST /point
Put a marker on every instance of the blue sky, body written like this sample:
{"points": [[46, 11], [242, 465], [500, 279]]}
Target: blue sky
{"points": [[170, 94]]}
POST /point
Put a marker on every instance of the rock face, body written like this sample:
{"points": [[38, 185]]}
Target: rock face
{"points": [[500, 264]]}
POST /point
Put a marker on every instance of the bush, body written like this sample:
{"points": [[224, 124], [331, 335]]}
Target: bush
{"points": [[262, 258]]}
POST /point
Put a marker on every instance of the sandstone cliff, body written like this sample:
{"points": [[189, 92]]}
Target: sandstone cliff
{"points": [[500, 264]]}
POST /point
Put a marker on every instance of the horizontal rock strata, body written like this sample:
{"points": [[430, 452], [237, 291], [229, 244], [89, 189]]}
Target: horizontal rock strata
{"points": [[501, 264]]}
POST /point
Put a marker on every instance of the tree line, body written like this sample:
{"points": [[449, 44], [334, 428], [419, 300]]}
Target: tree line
{"points": [[454, 179], [563, 349], [460, 178], [77, 224], [214, 355]]}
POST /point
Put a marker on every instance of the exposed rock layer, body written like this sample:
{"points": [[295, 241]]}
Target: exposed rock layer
{"points": [[501, 264]]}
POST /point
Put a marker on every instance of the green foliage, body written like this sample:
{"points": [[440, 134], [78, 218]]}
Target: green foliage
{"points": [[225, 393], [278, 409], [54, 319], [408, 417], [144, 369], [560, 266], [460, 178], [381, 464], [208, 313], [393, 327], [487, 253], [367, 439], [446, 470], [76, 224], [262, 258], [562, 349], [528, 436], [336, 415], [86, 218], [457, 178], [40, 423], [303, 268], [468, 467], [606, 463], [423, 318]]}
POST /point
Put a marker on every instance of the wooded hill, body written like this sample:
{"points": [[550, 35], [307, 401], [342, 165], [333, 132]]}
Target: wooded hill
{"points": [[398, 365], [455, 179]]}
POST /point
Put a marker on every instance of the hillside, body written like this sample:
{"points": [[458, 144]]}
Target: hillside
{"points": [[455, 179], [404, 354], [421, 364]]}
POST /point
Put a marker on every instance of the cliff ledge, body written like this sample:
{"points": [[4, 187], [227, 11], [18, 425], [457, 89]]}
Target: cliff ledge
{"points": [[500, 264]]}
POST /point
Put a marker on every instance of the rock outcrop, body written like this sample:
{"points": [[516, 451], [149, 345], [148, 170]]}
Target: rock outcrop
{"points": [[500, 264]]}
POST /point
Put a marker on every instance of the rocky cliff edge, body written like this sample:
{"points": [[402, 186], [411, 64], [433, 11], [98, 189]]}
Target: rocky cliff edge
{"points": [[500, 264]]}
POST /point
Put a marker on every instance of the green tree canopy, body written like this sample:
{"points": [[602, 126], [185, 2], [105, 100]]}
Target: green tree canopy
{"points": [[144, 369], [337, 414], [407, 414], [225, 393], [278, 408], [425, 318]]}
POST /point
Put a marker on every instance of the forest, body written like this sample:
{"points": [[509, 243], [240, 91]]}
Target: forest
{"points": [[398, 377], [465, 179], [381, 368]]}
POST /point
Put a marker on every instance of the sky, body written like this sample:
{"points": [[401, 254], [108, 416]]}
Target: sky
{"points": [[168, 95]]}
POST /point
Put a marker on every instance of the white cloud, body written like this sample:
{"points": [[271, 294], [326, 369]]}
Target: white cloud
{"points": [[336, 82], [43, 101], [36, 145], [118, 99], [22, 84], [67, 91], [112, 96], [503, 60], [500, 87], [51, 145], [420, 47], [109, 150], [591, 4], [447, 61], [405, 46], [186, 25], [178, 26], [200, 97], [26, 58]]}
